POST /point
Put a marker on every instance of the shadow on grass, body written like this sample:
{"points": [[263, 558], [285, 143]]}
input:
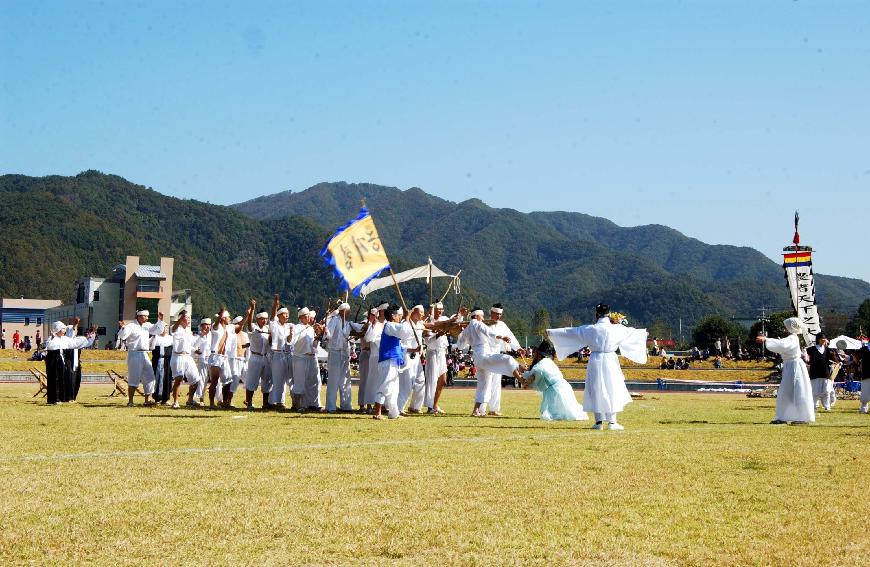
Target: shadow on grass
{"points": [[179, 416]]}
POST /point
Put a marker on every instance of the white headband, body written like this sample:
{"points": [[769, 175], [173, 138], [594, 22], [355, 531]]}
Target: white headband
{"points": [[303, 312], [438, 305], [344, 307], [262, 315], [418, 308], [225, 313], [58, 326], [383, 306], [143, 312], [205, 321], [399, 311], [237, 319], [498, 310], [476, 313], [283, 311], [374, 311]]}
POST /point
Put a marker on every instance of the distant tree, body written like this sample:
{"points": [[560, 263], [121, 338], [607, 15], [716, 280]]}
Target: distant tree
{"points": [[715, 327], [834, 323], [540, 322], [520, 329], [566, 320], [659, 328], [773, 325], [860, 323]]}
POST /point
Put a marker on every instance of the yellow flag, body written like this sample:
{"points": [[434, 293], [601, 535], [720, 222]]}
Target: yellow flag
{"points": [[356, 253]]}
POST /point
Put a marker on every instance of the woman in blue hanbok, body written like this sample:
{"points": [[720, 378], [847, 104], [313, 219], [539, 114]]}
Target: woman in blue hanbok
{"points": [[558, 402]]}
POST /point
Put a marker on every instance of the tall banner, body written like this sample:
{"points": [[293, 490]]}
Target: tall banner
{"points": [[355, 253], [798, 266]]}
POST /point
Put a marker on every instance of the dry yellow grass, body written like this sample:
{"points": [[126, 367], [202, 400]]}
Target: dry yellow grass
{"points": [[694, 480]]}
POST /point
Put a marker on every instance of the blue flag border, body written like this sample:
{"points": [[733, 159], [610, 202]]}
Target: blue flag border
{"points": [[330, 259]]}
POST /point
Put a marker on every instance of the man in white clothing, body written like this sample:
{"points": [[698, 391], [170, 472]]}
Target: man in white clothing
{"points": [[337, 335], [201, 354], [488, 361], [184, 368], [373, 338], [137, 337], [258, 372], [237, 357], [605, 394], [306, 371], [281, 333], [391, 357], [493, 400], [364, 359], [412, 382], [435, 372]]}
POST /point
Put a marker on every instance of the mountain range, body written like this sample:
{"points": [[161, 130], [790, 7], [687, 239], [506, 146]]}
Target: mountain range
{"points": [[563, 261], [57, 229]]}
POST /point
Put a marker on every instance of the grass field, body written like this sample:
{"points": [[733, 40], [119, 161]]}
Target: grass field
{"points": [[694, 480]]}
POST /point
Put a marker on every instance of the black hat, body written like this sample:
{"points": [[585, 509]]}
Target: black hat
{"points": [[546, 348], [602, 309]]}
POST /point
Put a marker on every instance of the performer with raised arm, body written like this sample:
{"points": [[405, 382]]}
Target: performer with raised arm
{"points": [[237, 357], [557, 401], [201, 355], [258, 372], [337, 334], [606, 394], [435, 372], [488, 361], [281, 332], [218, 364], [391, 356], [493, 399], [59, 369], [161, 357], [306, 371], [73, 376], [183, 367], [137, 337], [794, 399], [411, 380]]}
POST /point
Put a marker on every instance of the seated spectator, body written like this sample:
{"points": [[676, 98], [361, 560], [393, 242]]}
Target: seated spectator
{"points": [[717, 362], [671, 364], [664, 364]]}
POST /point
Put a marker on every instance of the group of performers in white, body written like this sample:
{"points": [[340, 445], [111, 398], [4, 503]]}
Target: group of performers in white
{"points": [[265, 351]]}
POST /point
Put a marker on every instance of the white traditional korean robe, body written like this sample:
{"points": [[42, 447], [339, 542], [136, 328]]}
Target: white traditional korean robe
{"points": [[794, 400], [605, 392], [373, 380]]}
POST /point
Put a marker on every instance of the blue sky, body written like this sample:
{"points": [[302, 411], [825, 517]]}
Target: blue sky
{"points": [[716, 118]]}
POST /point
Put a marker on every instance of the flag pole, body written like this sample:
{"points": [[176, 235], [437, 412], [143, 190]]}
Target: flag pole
{"points": [[430, 280], [405, 307]]}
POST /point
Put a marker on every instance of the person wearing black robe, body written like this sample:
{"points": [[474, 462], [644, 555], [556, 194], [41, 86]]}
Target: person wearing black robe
{"points": [[161, 355], [61, 370]]}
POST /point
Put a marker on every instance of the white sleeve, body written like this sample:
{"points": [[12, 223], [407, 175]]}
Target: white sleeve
{"points": [[779, 346], [357, 327], [633, 346], [399, 330], [567, 340], [82, 342], [124, 332]]}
